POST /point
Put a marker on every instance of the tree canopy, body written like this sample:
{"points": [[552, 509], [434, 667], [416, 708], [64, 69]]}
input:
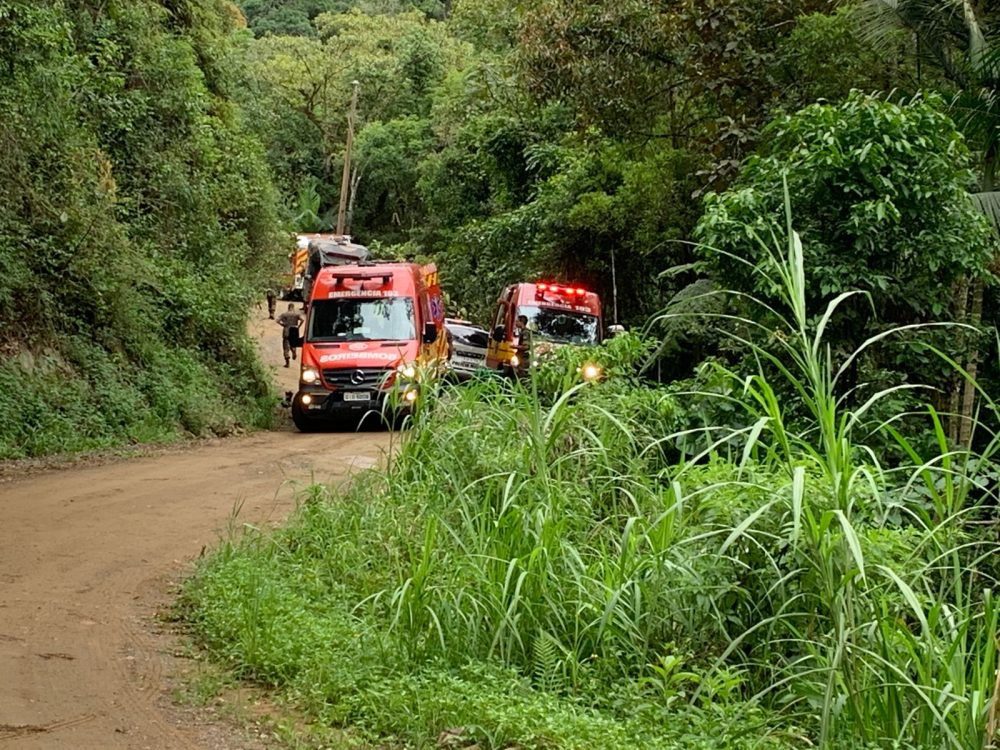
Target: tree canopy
{"points": [[548, 138], [880, 195]]}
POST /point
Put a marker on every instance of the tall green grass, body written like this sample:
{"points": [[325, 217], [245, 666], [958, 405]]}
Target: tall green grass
{"points": [[553, 572], [882, 622]]}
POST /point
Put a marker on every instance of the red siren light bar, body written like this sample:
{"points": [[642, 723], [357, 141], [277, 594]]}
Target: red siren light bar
{"points": [[567, 291], [340, 276]]}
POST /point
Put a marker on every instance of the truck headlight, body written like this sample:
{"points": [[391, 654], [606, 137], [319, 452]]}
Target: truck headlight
{"points": [[591, 371], [515, 361], [310, 375], [407, 371]]}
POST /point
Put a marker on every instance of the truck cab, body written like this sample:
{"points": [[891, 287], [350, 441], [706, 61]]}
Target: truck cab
{"points": [[371, 330], [557, 313], [332, 249]]}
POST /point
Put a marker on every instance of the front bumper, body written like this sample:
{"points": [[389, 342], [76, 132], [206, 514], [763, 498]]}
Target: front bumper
{"points": [[320, 403]]}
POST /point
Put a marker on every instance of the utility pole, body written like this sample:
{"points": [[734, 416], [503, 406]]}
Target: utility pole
{"points": [[614, 286], [345, 181]]}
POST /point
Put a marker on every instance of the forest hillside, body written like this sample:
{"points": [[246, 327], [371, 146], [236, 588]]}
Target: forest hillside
{"points": [[139, 222]]}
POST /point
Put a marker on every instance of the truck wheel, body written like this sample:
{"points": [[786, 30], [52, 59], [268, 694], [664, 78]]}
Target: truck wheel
{"points": [[303, 422]]}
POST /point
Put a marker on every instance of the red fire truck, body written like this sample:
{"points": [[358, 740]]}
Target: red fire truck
{"points": [[372, 330], [557, 314], [333, 249]]}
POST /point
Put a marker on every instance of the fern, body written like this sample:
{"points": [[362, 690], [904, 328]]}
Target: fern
{"points": [[545, 662]]}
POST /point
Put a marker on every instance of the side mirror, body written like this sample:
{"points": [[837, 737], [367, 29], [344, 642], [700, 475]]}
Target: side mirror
{"points": [[430, 333], [294, 338], [500, 333]]}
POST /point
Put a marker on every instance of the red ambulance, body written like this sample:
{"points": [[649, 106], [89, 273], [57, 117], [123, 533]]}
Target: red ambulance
{"points": [[373, 330]]}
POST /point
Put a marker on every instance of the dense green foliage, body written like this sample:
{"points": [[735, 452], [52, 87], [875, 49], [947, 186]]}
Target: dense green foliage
{"points": [[573, 140], [138, 222], [295, 17], [781, 544], [548, 572], [883, 192]]}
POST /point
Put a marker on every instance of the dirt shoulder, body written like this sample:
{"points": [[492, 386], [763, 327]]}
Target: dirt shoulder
{"points": [[266, 334], [90, 557]]}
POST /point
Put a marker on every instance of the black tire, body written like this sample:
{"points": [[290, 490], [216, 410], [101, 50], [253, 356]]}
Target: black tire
{"points": [[303, 422]]}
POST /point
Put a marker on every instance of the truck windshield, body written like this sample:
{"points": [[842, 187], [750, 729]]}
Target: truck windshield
{"points": [[561, 326], [370, 319]]}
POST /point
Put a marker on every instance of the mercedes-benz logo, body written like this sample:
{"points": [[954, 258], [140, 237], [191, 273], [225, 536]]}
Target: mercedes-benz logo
{"points": [[358, 377]]}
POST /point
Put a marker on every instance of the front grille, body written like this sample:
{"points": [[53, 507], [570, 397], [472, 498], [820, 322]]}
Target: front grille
{"points": [[358, 377]]}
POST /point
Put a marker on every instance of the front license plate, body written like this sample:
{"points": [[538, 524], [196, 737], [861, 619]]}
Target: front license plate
{"points": [[357, 396]]}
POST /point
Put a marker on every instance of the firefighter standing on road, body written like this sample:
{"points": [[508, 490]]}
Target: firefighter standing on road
{"points": [[522, 345], [289, 320]]}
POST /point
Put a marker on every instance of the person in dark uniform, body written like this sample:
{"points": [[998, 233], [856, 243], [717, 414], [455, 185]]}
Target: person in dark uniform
{"points": [[522, 344], [272, 301], [288, 320]]}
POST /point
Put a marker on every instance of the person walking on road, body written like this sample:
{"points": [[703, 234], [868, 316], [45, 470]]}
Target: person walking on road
{"points": [[272, 301], [289, 320]]}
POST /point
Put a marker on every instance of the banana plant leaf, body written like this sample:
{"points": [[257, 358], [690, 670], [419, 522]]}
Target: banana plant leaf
{"points": [[989, 204]]}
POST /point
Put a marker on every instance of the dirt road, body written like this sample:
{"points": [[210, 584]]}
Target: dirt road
{"points": [[89, 556]]}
